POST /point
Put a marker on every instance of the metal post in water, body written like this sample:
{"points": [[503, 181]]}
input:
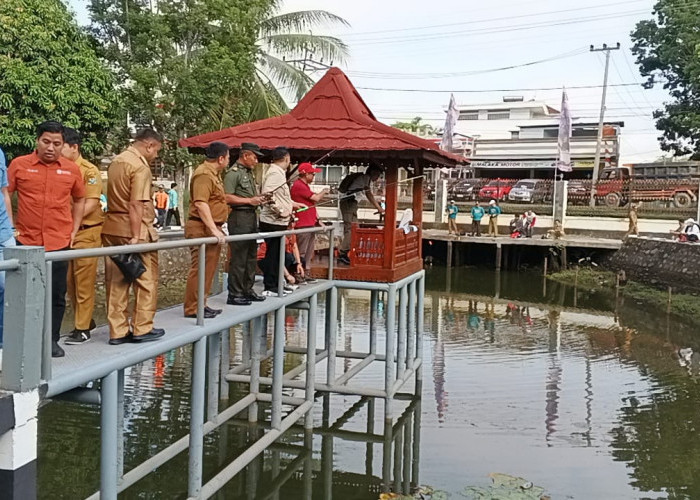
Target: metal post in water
{"points": [[369, 453], [407, 430], [401, 333], [196, 453], [311, 358], [278, 368], [213, 376], [108, 431], [668, 307], [389, 369], [201, 264], [386, 455], [420, 325], [545, 266], [256, 332], [498, 256], [449, 254], [332, 312], [373, 303], [415, 466], [308, 465], [411, 333], [398, 458], [225, 363], [120, 424]]}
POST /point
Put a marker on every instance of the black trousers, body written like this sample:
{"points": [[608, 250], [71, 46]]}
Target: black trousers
{"points": [[173, 212], [241, 269], [59, 287], [272, 255]]}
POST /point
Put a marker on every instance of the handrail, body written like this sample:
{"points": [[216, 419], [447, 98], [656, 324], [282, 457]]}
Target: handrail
{"points": [[63, 255]]}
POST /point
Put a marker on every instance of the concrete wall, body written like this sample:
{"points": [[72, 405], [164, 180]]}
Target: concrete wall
{"points": [[660, 263]]}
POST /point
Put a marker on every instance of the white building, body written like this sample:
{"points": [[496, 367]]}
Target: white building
{"points": [[518, 139]]}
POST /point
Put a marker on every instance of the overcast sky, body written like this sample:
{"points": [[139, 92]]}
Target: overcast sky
{"points": [[454, 45]]}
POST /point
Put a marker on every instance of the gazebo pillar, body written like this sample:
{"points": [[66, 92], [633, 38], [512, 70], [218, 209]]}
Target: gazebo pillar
{"points": [[392, 198]]}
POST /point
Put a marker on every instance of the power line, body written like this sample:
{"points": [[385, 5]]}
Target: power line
{"points": [[477, 91], [488, 20], [403, 76]]}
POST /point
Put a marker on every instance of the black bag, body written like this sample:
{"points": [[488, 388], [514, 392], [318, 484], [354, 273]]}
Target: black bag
{"points": [[347, 182], [130, 265]]}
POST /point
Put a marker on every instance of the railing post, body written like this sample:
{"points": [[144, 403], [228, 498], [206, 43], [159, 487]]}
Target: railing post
{"points": [[278, 368], [196, 457], [389, 368], [109, 449], [24, 320], [213, 375], [311, 358]]}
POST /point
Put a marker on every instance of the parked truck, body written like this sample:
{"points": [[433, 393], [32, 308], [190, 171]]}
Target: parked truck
{"points": [[675, 182]]}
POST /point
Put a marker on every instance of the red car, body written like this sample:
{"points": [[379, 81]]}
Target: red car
{"points": [[497, 189]]}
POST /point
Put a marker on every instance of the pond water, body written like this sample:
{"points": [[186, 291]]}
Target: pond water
{"points": [[581, 394]]}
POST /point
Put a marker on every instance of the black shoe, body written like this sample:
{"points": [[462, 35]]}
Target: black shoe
{"points": [[254, 297], [154, 334], [344, 259], [78, 337], [310, 280], [215, 312], [238, 301], [207, 315], [122, 340], [56, 350]]}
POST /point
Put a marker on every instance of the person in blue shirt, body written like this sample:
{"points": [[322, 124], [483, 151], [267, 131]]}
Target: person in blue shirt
{"points": [[173, 207], [477, 214], [494, 211], [452, 211], [7, 231]]}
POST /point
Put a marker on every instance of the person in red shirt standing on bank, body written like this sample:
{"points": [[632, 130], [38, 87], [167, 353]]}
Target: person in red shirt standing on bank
{"points": [[301, 193], [46, 183]]}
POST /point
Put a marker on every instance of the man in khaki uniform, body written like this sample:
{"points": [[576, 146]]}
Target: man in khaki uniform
{"points": [[130, 221], [208, 212], [82, 273]]}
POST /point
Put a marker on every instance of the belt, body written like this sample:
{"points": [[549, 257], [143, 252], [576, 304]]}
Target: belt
{"points": [[242, 208], [200, 220], [88, 226]]}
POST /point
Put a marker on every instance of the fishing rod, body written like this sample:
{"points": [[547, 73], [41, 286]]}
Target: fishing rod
{"points": [[348, 195]]}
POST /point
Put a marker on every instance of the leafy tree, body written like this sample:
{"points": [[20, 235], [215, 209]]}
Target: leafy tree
{"points": [[416, 127], [185, 66], [282, 39], [667, 51], [49, 70]]}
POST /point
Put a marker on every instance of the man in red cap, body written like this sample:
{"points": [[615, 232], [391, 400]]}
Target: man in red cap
{"points": [[302, 193]]}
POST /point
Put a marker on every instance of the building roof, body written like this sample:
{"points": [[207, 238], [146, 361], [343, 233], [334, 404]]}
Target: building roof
{"points": [[503, 106], [332, 117]]}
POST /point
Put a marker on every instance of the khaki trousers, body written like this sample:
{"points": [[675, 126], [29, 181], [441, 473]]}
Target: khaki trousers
{"points": [[145, 293], [197, 229], [82, 275], [307, 245], [493, 226]]}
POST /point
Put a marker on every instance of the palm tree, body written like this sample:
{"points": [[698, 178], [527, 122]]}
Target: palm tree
{"points": [[282, 39]]}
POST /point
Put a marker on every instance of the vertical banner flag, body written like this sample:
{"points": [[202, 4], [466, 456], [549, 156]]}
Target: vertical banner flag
{"points": [[564, 144], [450, 122]]}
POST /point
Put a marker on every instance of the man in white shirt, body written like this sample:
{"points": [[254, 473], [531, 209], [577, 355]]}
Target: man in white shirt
{"points": [[354, 184], [275, 215]]}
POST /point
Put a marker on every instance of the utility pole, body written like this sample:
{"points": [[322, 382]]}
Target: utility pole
{"points": [[596, 161]]}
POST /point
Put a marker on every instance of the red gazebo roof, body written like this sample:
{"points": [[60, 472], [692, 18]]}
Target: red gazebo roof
{"points": [[331, 117]]}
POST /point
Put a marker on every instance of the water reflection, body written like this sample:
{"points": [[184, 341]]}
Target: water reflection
{"points": [[583, 394]]}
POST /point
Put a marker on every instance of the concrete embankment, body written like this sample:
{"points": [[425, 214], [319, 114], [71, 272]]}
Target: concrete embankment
{"points": [[659, 262]]}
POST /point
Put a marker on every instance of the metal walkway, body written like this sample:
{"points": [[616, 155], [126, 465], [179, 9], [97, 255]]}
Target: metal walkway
{"points": [[28, 367]]}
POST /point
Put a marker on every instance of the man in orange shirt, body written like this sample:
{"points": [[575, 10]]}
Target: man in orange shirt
{"points": [[46, 183], [161, 205]]}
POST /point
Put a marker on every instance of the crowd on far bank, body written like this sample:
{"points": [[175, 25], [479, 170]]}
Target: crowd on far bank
{"points": [[523, 224]]}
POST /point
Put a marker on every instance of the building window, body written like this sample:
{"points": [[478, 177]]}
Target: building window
{"points": [[499, 115], [515, 134], [469, 115], [551, 132]]}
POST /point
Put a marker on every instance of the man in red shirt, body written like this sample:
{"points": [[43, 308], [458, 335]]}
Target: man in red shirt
{"points": [[46, 184], [301, 193]]}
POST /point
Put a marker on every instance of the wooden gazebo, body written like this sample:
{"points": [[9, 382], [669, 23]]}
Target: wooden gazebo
{"points": [[333, 119]]}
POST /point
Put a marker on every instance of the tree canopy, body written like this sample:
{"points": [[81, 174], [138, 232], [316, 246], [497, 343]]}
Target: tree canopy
{"points": [[668, 53], [49, 70], [416, 126]]}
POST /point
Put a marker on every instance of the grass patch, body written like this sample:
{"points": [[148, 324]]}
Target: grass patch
{"points": [[683, 305]]}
